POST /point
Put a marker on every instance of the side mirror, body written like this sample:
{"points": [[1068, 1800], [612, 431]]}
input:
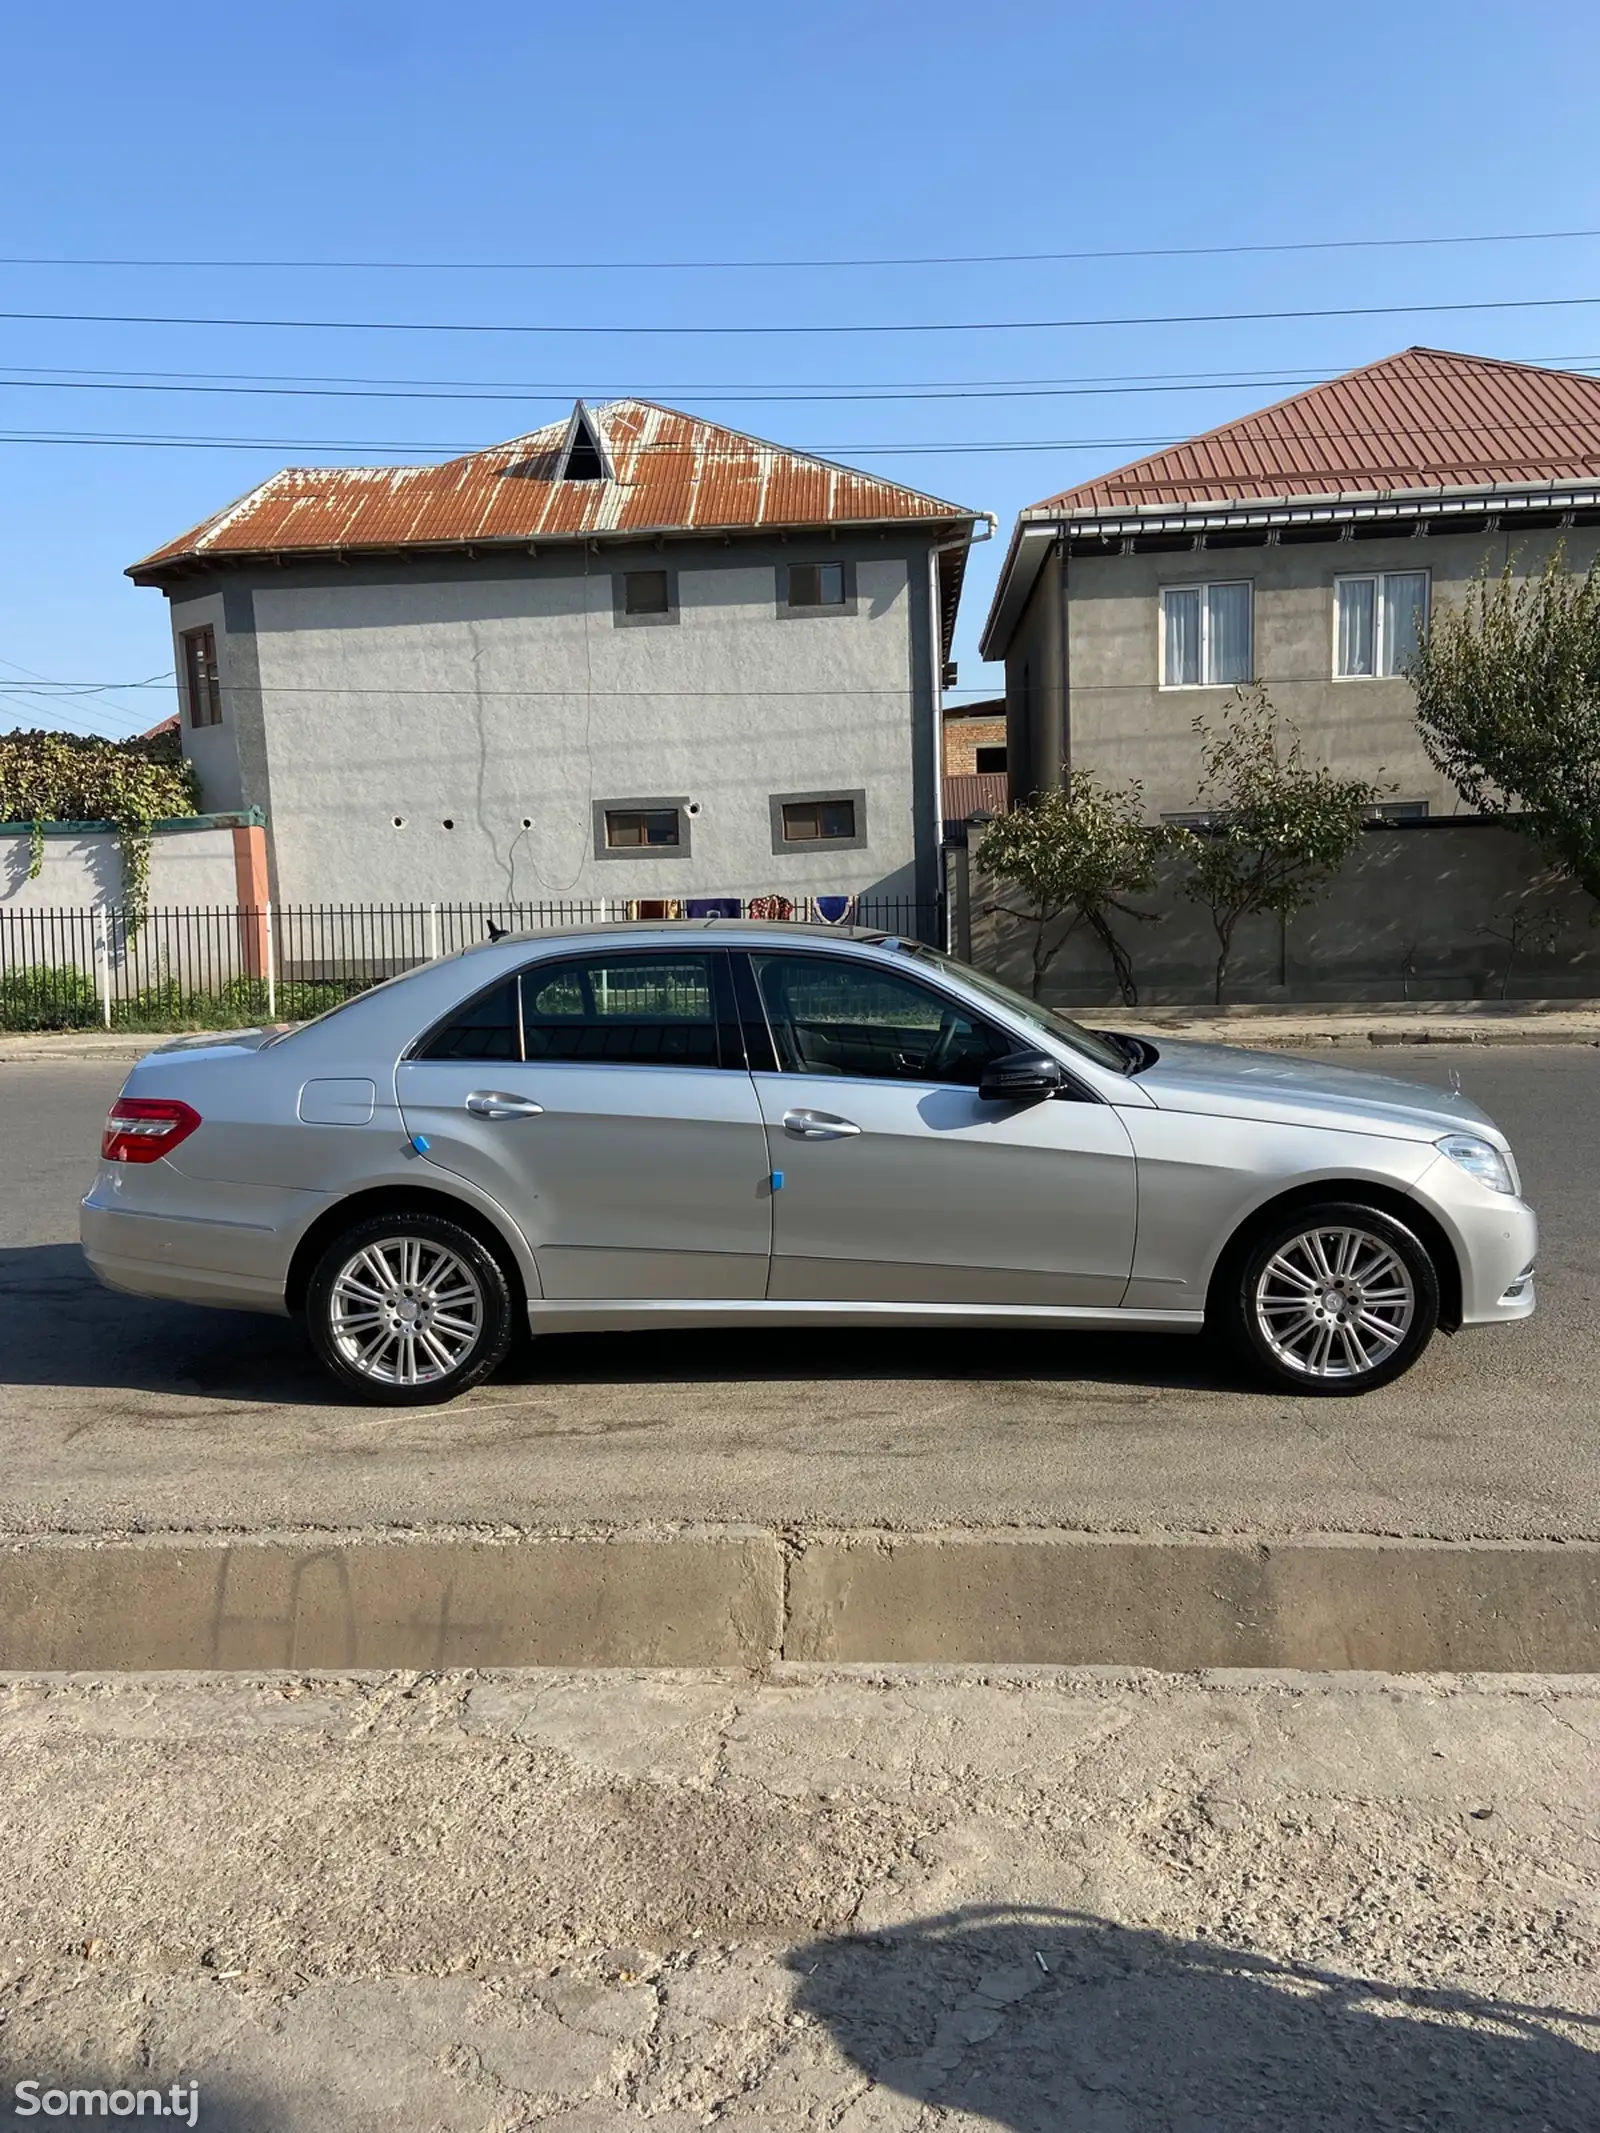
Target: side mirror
{"points": [[1021, 1078]]}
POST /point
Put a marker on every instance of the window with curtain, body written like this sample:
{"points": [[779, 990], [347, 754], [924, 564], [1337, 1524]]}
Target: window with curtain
{"points": [[1206, 636], [1378, 623]]}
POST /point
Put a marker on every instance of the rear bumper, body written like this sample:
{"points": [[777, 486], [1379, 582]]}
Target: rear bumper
{"points": [[233, 1264]]}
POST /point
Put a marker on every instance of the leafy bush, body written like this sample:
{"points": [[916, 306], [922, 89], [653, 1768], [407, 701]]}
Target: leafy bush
{"points": [[1077, 852], [165, 1004], [1281, 827], [74, 777], [46, 996], [1508, 705]]}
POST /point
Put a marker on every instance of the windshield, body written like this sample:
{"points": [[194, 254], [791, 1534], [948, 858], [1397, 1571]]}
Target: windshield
{"points": [[1044, 1019]]}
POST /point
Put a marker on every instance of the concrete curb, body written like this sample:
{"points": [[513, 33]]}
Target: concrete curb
{"points": [[751, 1598], [1309, 1035], [21, 1050]]}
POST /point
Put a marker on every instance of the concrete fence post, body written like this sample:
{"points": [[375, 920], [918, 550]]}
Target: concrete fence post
{"points": [[102, 963]]}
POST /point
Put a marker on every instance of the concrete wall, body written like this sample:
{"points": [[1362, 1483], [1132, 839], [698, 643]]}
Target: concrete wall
{"points": [[1123, 725], [506, 698], [188, 868], [1420, 912]]}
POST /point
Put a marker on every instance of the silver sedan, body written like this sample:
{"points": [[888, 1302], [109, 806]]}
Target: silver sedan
{"points": [[733, 1124]]}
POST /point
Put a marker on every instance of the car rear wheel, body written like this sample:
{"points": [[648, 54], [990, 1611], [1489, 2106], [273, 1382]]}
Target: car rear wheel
{"points": [[1332, 1299], [409, 1309]]}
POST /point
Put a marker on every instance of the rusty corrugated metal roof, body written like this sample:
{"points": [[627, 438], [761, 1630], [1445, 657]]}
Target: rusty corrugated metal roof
{"points": [[1425, 418], [674, 473], [968, 791]]}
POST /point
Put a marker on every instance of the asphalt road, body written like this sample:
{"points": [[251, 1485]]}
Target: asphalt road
{"points": [[145, 1416]]}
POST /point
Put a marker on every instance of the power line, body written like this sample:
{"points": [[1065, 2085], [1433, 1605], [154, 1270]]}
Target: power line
{"points": [[214, 382], [718, 266], [756, 450], [746, 329], [379, 389]]}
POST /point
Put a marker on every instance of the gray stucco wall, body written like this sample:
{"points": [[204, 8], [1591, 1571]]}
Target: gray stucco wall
{"points": [[1427, 911], [1123, 725], [503, 696], [1036, 722], [213, 750], [188, 868]]}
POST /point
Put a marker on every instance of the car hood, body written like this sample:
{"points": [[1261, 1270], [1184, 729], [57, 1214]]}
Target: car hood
{"points": [[1217, 1079]]}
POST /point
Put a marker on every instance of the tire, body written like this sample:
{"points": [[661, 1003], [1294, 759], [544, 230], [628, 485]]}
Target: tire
{"points": [[1329, 1299], [376, 1319]]}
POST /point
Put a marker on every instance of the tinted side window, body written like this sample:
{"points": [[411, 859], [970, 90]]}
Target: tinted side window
{"points": [[829, 1016], [626, 1010], [486, 1028]]}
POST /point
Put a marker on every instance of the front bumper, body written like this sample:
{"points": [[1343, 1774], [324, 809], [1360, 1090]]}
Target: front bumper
{"points": [[1496, 1237]]}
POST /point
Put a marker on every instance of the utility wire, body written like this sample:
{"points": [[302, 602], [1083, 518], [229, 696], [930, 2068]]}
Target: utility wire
{"points": [[756, 450], [1008, 325], [719, 266], [213, 382]]}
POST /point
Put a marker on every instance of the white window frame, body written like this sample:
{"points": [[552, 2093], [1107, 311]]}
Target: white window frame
{"points": [[1202, 586], [1379, 578]]}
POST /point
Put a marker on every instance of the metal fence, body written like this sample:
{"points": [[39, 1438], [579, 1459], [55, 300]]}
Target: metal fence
{"points": [[229, 966]]}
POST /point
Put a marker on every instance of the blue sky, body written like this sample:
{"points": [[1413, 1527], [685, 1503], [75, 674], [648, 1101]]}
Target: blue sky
{"points": [[704, 131]]}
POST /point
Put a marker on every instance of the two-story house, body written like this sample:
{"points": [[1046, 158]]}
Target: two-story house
{"points": [[1303, 547], [631, 656]]}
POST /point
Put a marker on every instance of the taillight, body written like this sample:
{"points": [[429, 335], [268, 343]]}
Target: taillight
{"points": [[142, 1129]]}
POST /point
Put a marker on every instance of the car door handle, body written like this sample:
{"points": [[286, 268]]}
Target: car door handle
{"points": [[495, 1103], [818, 1126]]}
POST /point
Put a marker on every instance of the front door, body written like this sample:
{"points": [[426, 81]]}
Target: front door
{"points": [[603, 1099], [899, 1185]]}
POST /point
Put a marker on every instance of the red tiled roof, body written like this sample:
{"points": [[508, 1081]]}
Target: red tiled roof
{"points": [[673, 473], [1418, 420]]}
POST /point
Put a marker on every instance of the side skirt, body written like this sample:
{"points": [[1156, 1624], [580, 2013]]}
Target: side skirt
{"points": [[601, 1314]]}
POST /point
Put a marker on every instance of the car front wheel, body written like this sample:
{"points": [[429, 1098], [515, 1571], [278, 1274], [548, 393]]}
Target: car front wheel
{"points": [[409, 1309], [1333, 1299]]}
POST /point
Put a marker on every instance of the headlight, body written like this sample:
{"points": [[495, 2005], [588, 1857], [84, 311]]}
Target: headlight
{"points": [[1481, 1157]]}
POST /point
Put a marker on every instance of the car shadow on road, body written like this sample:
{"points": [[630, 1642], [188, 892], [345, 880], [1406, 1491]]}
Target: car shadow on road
{"points": [[775, 1354], [1052, 2022], [60, 1327]]}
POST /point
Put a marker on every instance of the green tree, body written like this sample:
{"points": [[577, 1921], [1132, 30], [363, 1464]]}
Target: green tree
{"points": [[1280, 827], [1077, 852], [1508, 703]]}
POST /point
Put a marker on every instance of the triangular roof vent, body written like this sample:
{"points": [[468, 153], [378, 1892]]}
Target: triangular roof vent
{"points": [[583, 455]]}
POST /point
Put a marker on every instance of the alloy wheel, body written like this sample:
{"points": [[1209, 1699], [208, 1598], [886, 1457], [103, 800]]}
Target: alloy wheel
{"points": [[405, 1311], [1334, 1302]]}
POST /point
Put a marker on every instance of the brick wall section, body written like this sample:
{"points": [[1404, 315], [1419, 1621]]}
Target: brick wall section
{"points": [[965, 732]]}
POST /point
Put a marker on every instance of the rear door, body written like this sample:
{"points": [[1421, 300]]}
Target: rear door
{"points": [[898, 1183], [602, 1097]]}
